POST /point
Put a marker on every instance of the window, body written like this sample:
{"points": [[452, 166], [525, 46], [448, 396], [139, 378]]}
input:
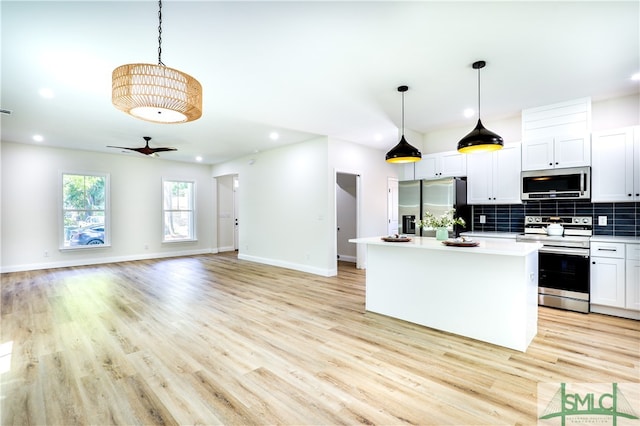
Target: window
{"points": [[84, 210], [178, 210]]}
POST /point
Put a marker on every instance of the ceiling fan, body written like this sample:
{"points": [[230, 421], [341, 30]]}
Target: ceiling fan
{"points": [[146, 150]]}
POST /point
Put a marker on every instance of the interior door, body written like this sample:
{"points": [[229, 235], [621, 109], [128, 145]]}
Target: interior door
{"points": [[236, 209], [392, 206]]}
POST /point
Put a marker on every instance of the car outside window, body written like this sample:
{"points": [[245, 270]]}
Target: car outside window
{"points": [[178, 210], [84, 210]]}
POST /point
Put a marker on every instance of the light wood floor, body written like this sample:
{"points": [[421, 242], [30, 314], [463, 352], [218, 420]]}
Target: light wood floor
{"points": [[216, 340]]}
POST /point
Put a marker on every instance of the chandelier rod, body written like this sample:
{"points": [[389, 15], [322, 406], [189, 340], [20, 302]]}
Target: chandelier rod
{"points": [[160, 33]]}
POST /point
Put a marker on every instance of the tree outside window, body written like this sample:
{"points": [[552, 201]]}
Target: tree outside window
{"points": [[178, 210], [84, 206]]}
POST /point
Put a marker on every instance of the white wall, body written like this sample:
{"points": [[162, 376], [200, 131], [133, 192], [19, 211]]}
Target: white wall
{"points": [[288, 201], [447, 139], [347, 157], [606, 114], [284, 214], [31, 210], [617, 112]]}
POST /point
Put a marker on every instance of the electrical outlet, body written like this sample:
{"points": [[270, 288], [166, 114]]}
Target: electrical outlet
{"points": [[483, 218], [146, 246], [45, 253], [602, 221]]}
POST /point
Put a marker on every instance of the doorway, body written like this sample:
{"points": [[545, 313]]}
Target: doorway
{"points": [[346, 216], [227, 188]]}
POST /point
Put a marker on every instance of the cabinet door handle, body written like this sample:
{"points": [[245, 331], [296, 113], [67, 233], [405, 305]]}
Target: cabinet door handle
{"points": [[593, 262], [607, 249], [551, 164], [557, 163]]}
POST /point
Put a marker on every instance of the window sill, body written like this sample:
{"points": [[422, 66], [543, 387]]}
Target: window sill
{"points": [[88, 247], [188, 240]]}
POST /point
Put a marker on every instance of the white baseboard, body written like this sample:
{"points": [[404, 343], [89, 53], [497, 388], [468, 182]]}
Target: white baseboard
{"points": [[102, 260], [290, 265], [616, 312]]}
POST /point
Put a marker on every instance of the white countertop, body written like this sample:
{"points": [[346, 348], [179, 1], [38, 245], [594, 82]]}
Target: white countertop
{"points": [[615, 239], [503, 247]]}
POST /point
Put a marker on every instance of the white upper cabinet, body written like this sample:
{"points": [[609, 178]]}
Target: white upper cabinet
{"points": [[494, 177], [441, 165], [615, 174], [553, 152], [557, 136]]}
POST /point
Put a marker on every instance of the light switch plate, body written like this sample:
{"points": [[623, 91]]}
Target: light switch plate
{"points": [[602, 221]]}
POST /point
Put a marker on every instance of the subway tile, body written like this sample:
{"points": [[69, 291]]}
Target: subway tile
{"points": [[566, 208], [622, 218]]}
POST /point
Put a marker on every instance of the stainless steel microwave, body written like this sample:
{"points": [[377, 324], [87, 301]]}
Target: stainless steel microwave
{"points": [[557, 184]]}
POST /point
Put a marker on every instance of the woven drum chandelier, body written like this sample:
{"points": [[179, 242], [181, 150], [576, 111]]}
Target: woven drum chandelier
{"points": [[156, 93]]}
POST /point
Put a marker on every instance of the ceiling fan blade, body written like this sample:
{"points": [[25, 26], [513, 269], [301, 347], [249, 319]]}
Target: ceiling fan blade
{"points": [[123, 147], [164, 149]]}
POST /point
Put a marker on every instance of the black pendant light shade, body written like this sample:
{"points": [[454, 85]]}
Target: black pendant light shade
{"points": [[403, 152], [480, 139]]}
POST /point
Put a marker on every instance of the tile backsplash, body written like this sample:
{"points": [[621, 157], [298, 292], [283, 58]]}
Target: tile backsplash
{"points": [[622, 218]]}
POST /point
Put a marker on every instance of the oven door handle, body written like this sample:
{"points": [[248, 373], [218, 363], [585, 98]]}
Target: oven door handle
{"points": [[564, 250]]}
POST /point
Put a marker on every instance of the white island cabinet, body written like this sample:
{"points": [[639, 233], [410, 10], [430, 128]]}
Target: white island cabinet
{"points": [[488, 292]]}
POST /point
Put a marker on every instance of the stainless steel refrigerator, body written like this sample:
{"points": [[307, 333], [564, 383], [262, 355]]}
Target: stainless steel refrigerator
{"points": [[437, 196]]}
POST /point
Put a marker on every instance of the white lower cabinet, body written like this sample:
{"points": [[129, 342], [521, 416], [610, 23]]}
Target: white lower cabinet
{"points": [[607, 281], [615, 279], [633, 277]]}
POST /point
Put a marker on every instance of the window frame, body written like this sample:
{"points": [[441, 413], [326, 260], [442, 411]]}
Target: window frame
{"points": [[62, 211], [192, 210]]}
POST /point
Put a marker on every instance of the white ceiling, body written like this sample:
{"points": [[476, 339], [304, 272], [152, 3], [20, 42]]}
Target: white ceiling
{"points": [[304, 68]]}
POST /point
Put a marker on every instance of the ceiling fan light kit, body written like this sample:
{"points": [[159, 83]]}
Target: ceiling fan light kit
{"points": [[403, 152], [156, 93], [480, 139]]}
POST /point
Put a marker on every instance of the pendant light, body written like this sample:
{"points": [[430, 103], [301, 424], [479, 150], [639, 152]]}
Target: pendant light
{"points": [[156, 93], [403, 152], [480, 139]]}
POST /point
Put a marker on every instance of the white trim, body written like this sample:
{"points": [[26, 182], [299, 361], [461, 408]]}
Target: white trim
{"points": [[289, 265], [107, 207], [102, 260], [193, 231]]}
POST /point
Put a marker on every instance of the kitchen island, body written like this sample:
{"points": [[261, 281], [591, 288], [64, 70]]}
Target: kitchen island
{"points": [[488, 292]]}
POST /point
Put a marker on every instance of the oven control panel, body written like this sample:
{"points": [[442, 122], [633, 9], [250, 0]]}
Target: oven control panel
{"points": [[581, 226], [585, 221]]}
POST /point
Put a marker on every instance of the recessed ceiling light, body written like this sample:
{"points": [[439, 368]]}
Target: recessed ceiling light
{"points": [[38, 138], [274, 136], [469, 112], [198, 158], [636, 76], [46, 93]]}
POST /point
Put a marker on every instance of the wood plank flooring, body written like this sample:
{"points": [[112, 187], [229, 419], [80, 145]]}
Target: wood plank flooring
{"points": [[216, 340]]}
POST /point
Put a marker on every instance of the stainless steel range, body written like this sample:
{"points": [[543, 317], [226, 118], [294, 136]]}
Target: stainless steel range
{"points": [[563, 261]]}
